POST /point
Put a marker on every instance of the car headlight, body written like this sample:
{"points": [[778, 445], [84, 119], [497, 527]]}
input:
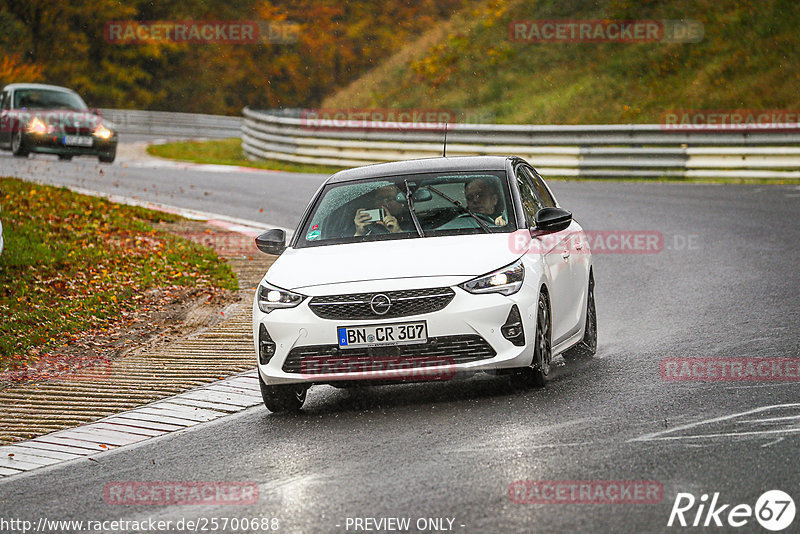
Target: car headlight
{"points": [[37, 126], [271, 298], [505, 281], [102, 132]]}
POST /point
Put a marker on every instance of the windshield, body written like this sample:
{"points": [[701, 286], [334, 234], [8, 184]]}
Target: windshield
{"points": [[378, 209], [46, 99]]}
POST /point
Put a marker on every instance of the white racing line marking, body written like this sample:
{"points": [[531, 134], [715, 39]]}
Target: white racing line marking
{"points": [[233, 224], [203, 167], [665, 435], [770, 385], [772, 443], [139, 424]]}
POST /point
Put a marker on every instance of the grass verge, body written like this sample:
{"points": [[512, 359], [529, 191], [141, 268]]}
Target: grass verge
{"points": [[229, 152], [472, 65], [74, 263]]}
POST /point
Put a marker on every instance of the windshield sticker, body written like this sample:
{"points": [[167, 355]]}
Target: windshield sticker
{"points": [[313, 235]]}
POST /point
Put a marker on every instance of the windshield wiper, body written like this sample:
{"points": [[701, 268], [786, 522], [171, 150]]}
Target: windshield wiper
{"points": [[463, 208], [410, 199]]}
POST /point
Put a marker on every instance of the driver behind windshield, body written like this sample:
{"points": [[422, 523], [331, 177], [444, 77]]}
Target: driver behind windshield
{"points": [[483, 197], [394, 219]]}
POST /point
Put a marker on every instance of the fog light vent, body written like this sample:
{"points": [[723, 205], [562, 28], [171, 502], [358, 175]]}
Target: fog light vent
{"points": [[512, 330], [266, 347]]}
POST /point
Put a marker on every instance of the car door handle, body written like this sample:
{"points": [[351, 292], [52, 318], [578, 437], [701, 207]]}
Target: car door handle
{"points": [[565, 255], [578, 245]]}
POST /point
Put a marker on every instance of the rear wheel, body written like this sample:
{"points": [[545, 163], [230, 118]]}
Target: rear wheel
{"points": [[65, 157], [537, 374], [586, 347], [284, 397], [18, 146]]}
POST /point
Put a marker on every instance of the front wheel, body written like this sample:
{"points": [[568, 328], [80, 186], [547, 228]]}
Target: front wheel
{"points": [[18, 146], [108, 157], [284, 397], [538, 373], [586, 347]]}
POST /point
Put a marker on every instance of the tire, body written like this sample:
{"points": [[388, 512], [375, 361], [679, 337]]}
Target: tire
{"points": [[108, 157], [283, 398], [65, 157], [586, 347], [538, 373], [18, 146]]}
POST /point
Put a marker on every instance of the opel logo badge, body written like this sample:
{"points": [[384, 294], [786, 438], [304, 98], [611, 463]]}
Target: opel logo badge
{"points": [[380, 304]]}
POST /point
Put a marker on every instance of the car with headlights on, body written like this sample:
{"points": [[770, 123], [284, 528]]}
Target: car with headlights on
{"points": [[48, 119], [423, 270]]}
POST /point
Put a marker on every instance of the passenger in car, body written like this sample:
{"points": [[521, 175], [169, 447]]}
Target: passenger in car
{"points": [[396, 218], [484, 197]]}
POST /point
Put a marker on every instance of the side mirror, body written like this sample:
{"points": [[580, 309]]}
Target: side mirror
{"points": [[272, 241], [96, 111], [552, 220]]}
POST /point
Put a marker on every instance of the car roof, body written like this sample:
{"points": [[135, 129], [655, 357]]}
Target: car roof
{"points": [[15, 86], [417, 166]]}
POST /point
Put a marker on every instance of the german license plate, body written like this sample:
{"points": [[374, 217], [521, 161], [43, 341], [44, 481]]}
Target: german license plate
{"points": [[77, 140], [380, 335]]}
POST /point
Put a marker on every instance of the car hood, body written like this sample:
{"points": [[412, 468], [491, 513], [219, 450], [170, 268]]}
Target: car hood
{"points": [[460, 257]]}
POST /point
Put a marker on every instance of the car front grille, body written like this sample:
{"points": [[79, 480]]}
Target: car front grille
{"points": [[443, 350], [403, 303], [77, 130]]}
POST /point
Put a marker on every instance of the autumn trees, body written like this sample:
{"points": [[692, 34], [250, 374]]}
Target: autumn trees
{"points": [[325, 44]]}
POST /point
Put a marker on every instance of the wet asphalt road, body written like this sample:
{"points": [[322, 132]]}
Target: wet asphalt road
{"points": [[725, 285]]}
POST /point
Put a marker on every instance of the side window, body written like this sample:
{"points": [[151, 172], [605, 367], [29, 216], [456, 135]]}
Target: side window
{"points": [[5, 100], [540, 189], [530, 201]]}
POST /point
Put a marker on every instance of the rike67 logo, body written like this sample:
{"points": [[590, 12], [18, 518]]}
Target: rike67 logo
{"points": [[774, 510]]}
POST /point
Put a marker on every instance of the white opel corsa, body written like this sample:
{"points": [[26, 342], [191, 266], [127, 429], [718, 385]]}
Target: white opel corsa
{"points": [[422, 270]]}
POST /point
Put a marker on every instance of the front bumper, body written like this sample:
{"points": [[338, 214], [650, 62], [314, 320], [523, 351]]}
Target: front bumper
{"points": [[463, 337], [54, 144]]}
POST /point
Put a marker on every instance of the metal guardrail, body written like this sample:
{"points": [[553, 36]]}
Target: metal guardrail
{"points": [[169, 124], [625, 150]]}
